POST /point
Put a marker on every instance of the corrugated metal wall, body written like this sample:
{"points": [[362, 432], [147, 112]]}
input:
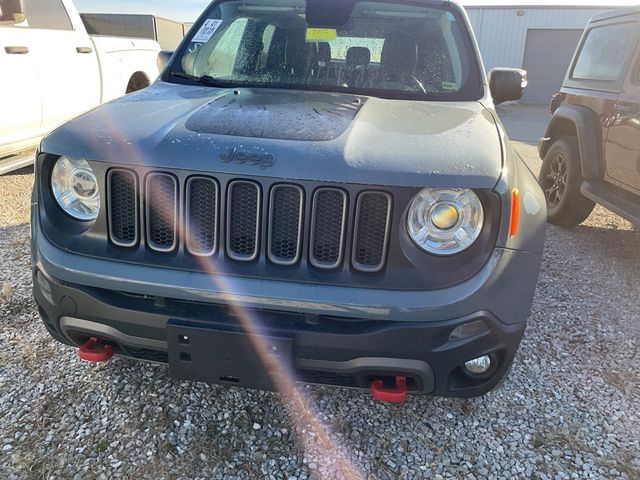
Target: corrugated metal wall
{"points": [[547, 55], [502, 32]]}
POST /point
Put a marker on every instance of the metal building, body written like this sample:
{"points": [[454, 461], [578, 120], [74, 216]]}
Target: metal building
{"points": [[167, 33], [540, 39]]}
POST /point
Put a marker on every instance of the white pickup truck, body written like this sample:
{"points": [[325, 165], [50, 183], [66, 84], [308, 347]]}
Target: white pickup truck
{"points": [[51, 70]]}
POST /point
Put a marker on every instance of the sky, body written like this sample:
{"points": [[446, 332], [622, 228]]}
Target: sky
{"points": [[188, 10]]}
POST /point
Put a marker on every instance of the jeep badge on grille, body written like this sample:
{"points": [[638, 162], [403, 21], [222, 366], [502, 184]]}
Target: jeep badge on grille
{"points": [[234, 155]]}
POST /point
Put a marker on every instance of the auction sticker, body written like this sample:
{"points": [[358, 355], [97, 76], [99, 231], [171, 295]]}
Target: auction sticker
{"points": [[207, 30], [321, 34]]}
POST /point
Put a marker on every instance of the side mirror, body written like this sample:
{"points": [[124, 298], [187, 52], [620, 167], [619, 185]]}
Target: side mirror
{"points": [[507, 84], [163, 59], [13, 12]]}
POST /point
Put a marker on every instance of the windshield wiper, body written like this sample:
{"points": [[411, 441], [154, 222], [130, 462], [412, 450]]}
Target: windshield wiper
{"points": [[204, 79]]}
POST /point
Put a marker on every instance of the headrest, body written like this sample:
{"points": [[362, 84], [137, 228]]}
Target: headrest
{"points": [[399, 53], [324, 52], [296, 50], [358, 56]]}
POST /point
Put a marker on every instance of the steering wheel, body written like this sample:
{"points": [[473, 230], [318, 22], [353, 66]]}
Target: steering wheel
{"points": [[406, 79], [416, 83]]}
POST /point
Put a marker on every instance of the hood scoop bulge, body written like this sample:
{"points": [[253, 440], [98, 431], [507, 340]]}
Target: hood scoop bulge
{"points": [[277, 114]]}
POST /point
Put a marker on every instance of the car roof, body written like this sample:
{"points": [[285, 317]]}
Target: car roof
{"points": [[625, 12]]}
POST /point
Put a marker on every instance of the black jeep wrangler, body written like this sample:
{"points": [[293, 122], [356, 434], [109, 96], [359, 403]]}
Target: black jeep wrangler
{"points": [[315, 191], [591, 151]]}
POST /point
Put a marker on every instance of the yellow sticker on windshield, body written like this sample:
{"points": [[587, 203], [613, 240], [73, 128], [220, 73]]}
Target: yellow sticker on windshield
{"points": [[321, 34]]}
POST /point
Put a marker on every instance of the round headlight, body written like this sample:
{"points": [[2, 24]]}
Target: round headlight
{"points": [[75, 188], [445, 222]]}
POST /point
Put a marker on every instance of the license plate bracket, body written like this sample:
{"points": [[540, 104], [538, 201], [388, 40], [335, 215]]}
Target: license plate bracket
{"points": [[200, 353]]}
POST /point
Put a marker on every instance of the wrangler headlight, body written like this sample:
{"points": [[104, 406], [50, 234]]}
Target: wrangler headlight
{"points": [[75, 188], [445, 222]]}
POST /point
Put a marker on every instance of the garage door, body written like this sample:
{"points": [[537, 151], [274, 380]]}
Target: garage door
{"points": [[547, 56]]}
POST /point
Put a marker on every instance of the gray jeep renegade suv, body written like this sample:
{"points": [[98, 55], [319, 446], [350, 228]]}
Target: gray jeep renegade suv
{"points": [[315, 191]]}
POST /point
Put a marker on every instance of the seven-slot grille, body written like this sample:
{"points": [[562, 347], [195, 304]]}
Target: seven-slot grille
{"points": [[201, 213]]}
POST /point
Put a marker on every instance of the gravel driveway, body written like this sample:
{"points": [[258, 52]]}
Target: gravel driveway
{"points": [[569, 409]]}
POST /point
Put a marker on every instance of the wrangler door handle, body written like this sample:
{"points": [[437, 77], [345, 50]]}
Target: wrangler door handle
{"points": [[16, 50], [84, 49]]}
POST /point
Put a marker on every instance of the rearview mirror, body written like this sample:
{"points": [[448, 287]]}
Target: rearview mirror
{"points": [[507, 84], [12, 11], [329, 13], [163, 59]]}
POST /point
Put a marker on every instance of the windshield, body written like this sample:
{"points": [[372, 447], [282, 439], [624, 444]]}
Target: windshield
{"points": [[389, 49]]}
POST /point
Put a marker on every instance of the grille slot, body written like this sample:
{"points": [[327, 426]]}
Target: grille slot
{"points": [[243, 220], [371, 238], [328, 228], [201, 216], [161, 211], [285, 224], [122, 197]]}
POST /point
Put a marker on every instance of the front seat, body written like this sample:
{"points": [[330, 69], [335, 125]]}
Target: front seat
{"points": [[324, 60], [398, 63]]}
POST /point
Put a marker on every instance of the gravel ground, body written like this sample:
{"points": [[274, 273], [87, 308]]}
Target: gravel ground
{"points": [[569, 409]]}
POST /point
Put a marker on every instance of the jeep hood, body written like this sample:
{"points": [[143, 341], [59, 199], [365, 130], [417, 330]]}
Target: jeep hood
{"points": [[319, 136]]}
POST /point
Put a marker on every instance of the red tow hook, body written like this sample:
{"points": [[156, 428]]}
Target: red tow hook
{"points": [[392, 395], [94, 351]]}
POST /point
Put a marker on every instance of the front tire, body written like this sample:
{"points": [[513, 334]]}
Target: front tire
{"points": [[138, 81], [561, 179]]}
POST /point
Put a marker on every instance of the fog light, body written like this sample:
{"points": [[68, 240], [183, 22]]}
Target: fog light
{"points": [[479, 365]]}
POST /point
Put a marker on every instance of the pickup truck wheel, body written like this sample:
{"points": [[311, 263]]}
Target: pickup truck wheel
{"points": [[561, 179], [137, 82]]}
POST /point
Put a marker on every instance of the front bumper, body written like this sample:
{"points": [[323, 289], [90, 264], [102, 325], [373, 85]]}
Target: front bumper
{"points": [[339, 336], [326, 350]]}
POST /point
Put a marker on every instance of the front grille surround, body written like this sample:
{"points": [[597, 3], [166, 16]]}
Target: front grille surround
{"points": [[277, 219], [245, 220], [161, 212], [327, 253], [235, 239], [122, 198]]}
